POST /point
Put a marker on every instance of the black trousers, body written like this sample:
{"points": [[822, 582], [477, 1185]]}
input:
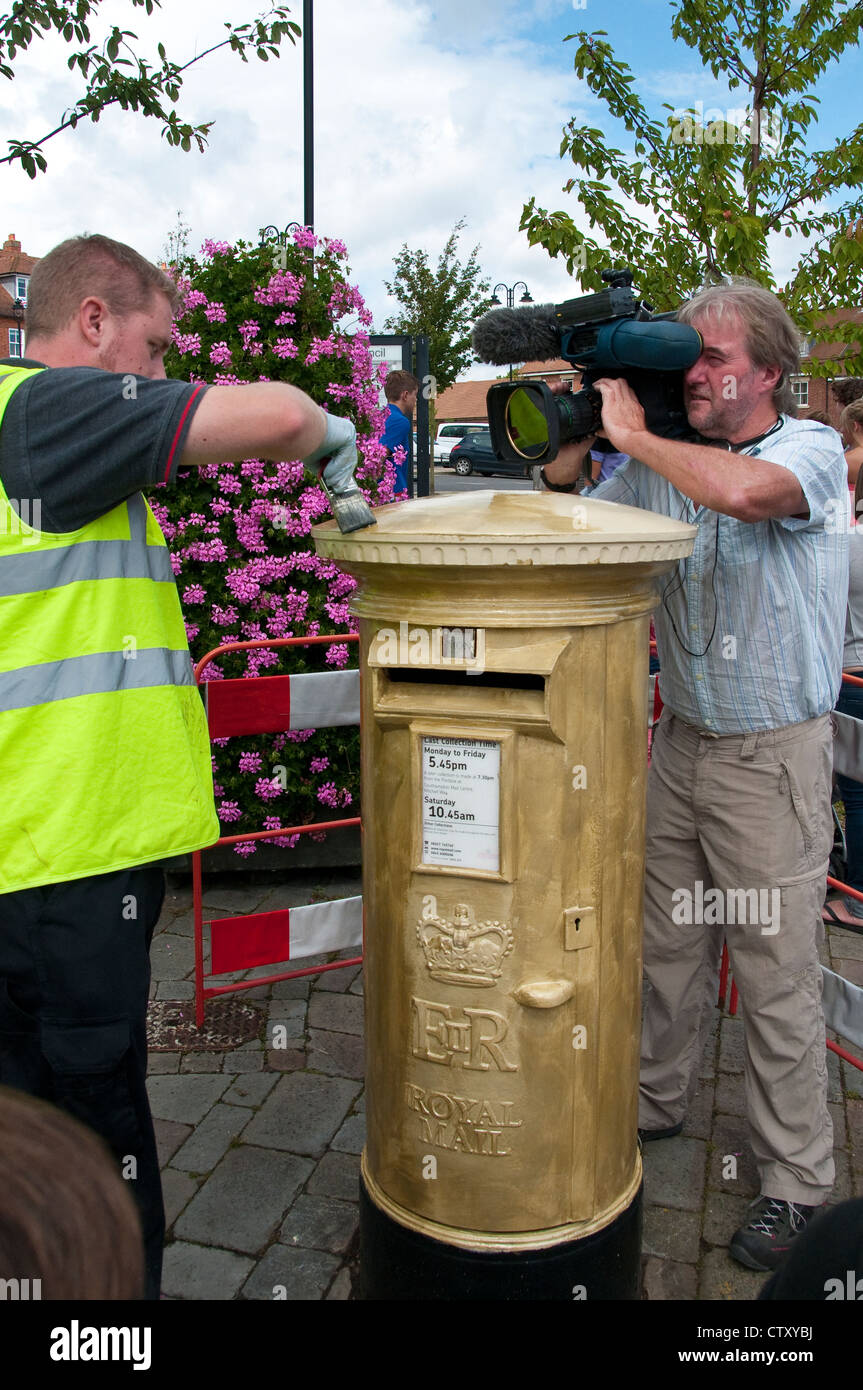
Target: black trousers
{"points": [[74, 982]]}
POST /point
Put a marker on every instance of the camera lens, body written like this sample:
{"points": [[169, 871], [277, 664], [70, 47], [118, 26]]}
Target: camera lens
{"points": [[526, 425]]}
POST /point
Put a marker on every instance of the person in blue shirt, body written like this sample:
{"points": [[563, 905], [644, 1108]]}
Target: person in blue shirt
{"points": [[401, 390]]}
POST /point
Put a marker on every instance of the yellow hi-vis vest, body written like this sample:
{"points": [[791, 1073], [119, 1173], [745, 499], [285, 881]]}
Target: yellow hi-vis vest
{"points": [[104, 750]]}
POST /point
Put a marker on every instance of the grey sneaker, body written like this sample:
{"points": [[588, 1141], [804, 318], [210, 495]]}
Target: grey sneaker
{"points": [[764, 1240]]}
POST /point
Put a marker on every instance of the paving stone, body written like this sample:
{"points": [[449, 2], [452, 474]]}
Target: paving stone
{"points": [[336, 1054], [844, 945], [194, 1272], [175, 989], [852, 1077], [295, 1275], [244, 1061], [731, 1045], [151, 992], [351, 1136], [835, 1090], [849, 969], [183, 924], [338, 981], [161, 1063], [185, 1098], [281, 1031], [671, 1234], [730, 1095], [731, 1140], [710, 1033], [169, 1137], [356, 988], [840, 1128], [250, 1090], [854, 1112], [284, 1010], [664, 1280], [211, 1139], [292, 989], [723, 1213], [177, 1191], [699, 1112], [202, 1061], [674, 1173], [360, 1103], [321, 1223], [171, 957], [337, 1175], [341, 1287], [723, 1278], [843, 1186], [242, 1203], [237, 899], [339, 1013], [286, 1059], [302, 1113]]}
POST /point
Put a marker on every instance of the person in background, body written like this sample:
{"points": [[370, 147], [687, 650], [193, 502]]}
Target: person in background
{"points": [[851, 425], [401, 390]]}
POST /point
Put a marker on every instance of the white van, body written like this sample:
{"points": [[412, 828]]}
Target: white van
{"points": [[450, 433]]}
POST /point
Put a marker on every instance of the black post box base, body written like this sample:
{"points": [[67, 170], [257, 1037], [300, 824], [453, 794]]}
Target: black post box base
{"points": [[397, 1263]]}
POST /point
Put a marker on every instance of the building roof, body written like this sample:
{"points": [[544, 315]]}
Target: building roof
{"points": [[13, 259], [463, 401], [556, 366], [824, 352]]}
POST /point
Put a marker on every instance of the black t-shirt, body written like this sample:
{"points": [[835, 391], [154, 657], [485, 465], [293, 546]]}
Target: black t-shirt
{"points": [[82, 440]]}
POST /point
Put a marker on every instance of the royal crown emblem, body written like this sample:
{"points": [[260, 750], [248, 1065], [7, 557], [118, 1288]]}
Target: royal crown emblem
{"points": [[463, 951]]}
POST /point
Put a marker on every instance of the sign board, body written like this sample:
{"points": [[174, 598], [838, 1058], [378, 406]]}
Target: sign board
{"points": [[461, 803]]}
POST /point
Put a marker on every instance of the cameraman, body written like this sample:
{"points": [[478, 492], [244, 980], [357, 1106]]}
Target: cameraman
{"points": [[104, 746], [749, 632]]}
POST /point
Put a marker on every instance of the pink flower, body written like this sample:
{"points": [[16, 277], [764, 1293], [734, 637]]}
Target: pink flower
{"points": [[250, 762], [215, 313], [220, 354], [216, 248], [267, 790], [194, 593], [319, 764], [245, 848], [285, 347], [229, 811]]}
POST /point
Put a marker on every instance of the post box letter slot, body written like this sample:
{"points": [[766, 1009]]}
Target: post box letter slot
{"points": [[493, 680]]}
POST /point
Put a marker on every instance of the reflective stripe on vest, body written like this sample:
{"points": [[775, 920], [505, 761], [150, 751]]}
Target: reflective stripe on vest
{"points": [[104, 750]]}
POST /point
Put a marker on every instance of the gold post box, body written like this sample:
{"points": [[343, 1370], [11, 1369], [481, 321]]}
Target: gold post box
{"points": [[504, 746]]}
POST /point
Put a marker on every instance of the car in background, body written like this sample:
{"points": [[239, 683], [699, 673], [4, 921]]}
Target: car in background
{"points": [[474, 454], [449, 433]]}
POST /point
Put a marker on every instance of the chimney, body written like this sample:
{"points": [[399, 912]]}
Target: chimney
{"points": [[11, 244]]}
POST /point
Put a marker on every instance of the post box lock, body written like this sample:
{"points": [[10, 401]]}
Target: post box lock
{"points": [[579, 927], [543, 994]]}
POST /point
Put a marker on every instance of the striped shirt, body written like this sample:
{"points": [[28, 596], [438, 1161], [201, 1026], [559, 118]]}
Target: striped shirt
{"points": [[750, 628]]}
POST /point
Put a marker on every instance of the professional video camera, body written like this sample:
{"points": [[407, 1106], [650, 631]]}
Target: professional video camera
{"points": [[608, 334]]}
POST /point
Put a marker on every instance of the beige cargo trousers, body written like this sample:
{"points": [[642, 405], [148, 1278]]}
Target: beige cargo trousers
{"points": [[739, 834]]}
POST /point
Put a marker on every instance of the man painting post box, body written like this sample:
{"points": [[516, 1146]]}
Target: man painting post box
{"points": [[750, 640]]}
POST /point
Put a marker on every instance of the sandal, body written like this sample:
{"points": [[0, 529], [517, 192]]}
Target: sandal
{"points": [[831, 919]]}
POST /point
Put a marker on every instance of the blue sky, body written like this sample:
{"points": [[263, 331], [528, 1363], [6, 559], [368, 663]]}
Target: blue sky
{"points": [[426, 111]]}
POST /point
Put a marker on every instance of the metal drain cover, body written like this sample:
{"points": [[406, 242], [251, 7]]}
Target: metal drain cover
{"points": [[227, 1023]]}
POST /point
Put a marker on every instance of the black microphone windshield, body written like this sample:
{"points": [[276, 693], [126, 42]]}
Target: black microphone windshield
{"points": [[531, 334]]}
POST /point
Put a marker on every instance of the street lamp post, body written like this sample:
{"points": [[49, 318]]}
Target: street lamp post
{"points": [[18, 315], [509, 291]]}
